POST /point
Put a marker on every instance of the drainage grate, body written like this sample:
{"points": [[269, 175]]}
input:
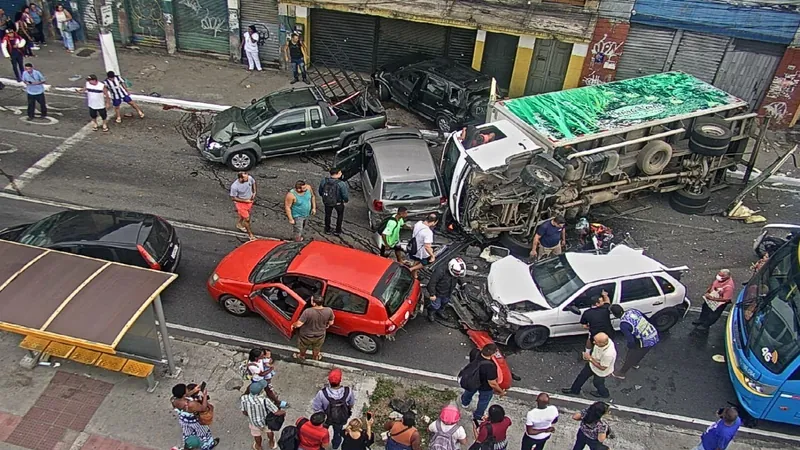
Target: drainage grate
{"points": [[85, 53]]}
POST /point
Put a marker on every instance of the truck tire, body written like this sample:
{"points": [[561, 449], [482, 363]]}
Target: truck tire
{"points": [[705, 150], [516, 244], [712, 133], [541, 179], [444, 124], [768, 245], [686, 209], [242, 160], [529, 338], [689, 198], [654, 157]]}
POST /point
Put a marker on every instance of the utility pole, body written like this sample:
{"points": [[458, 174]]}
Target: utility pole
{"points": [[105, 17]]}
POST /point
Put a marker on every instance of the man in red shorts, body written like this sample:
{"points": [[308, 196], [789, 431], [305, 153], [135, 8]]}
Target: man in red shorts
{"points": [[243, 193]]}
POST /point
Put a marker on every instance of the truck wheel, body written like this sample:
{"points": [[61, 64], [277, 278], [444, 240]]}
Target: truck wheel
{"points": [[665, 320], [705, 150], [383, 92], [768, 245], [444, 124], [350, 140], [242, 160], [654, 157], [686, 209], [711, 133], [531, 337], [689, 198], [541, 179], [516, 244], [366, 343]]}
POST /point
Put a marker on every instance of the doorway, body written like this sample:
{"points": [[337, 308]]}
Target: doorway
{"points": [[548, 66], [499, 53]]}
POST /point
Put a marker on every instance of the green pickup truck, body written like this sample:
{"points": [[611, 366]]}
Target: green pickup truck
{"points": [[287, 122]]}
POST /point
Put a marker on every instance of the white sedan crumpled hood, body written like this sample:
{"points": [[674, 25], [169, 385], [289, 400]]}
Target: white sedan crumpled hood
{"points": [[510, 281]]}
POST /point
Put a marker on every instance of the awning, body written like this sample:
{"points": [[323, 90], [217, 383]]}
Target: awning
{"points": [[73, 299]]}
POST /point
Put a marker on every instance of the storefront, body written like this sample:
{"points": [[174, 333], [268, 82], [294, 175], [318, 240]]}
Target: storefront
{"points": [[202, 26], [263, 14]]}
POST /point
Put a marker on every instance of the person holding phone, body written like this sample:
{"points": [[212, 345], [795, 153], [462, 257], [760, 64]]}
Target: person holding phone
{"points": [[355, 437], [187, 406]]}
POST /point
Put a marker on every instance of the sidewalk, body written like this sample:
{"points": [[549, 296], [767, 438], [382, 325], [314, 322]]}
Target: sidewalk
{"points": [[76, 407]]}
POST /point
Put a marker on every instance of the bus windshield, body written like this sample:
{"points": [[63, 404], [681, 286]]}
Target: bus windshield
{"points": [[771, 310]]}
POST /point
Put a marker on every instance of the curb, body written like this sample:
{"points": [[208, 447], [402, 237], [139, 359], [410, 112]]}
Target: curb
{"points": [[164, 101]]}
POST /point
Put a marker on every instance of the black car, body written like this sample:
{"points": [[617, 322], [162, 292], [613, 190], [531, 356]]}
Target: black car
{"points": [[450, 94], [133, 238]]}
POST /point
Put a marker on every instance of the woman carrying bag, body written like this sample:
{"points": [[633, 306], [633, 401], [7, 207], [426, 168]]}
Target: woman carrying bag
{"points": [[491, 433], [194, 413], [65, 26]]}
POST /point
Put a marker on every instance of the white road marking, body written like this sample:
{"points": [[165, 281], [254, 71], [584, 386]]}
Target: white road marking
{"points": [[49, 120], [49, 159], [28, 133], [178, 224], [451, 379], [9, 148]]}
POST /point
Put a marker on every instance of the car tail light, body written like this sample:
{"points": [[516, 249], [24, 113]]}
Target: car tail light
{"points": [[150, 260], [390, 328], [377, 205], [442, 201]]}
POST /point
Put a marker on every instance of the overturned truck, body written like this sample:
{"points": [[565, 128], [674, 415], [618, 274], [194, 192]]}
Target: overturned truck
{"points": [[563, 152]]}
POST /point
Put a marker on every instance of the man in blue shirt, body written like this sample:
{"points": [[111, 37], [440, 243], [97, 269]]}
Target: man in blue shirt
{"points": [[720, 434], [550, 238], [34, 87]]}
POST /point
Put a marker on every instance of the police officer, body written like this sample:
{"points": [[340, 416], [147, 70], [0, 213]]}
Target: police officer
{"points": [[640, 336]]}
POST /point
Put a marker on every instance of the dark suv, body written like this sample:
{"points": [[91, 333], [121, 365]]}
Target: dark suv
{"points": [[441, 90]]}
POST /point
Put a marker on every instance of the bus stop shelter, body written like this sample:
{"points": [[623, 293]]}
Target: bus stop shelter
{"points": [[84, 302]]}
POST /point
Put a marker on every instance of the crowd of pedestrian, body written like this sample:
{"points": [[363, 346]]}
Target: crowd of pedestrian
{"points": [[333, 424]]}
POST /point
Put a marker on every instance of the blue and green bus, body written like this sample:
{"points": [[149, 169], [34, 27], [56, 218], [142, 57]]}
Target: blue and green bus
{"points": [[762, 339]]}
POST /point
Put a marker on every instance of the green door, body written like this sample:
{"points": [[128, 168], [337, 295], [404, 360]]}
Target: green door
{"points": [[147, 22], [286, 133], [548, 66], [202, 25]]}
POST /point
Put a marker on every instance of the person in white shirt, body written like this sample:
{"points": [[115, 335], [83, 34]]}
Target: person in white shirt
{"points": [[250, 45], [98, 100], [539, 423], [599, 365], [423, 239]]}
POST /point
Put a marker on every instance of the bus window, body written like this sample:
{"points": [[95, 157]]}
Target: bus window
{"points": [[450, 157]]}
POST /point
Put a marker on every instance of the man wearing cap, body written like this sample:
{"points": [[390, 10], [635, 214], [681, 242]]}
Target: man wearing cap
{"points": [[257, 408], [98, 100], [550, 238], [337, 402]]}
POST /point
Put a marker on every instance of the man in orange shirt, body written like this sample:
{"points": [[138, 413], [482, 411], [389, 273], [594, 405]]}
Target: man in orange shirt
{"points": [[717, 297], [312, 434]]}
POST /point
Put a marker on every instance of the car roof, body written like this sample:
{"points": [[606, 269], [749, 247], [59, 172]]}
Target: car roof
{"points": [[342, 265], [453, 71], [496, 153], [106, 226], [293, 98], [404, 160], [621, 261]]}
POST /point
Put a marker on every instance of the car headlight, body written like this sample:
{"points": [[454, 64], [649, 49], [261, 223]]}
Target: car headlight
{"points": [[761, 388], [213, 145], [212, 280]]}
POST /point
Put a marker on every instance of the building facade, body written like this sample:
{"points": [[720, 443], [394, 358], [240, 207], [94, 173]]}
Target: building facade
{"points": [[748, 48]]}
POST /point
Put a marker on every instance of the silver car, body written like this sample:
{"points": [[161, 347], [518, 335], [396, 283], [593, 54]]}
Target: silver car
{"points": [[395, 169]]}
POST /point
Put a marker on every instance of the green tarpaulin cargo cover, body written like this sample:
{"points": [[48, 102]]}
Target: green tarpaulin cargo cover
{"points": [[576, 115]]}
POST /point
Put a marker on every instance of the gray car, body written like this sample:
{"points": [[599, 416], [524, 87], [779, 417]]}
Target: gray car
{"points": [[396, 169]]}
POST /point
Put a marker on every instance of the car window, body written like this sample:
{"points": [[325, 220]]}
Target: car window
{"points": [[304, 287], [638, 289], [340, 300], [394, 287], [411, 77], [666, 286], [316, 121], [410, 190], [555, 278], [276, 262], [259, 112], [292, 121], [93, 251], [372, 172], [435, 87], [281, 300], [589, 297], [454, 95]]}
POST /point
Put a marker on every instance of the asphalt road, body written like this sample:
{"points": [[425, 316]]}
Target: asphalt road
{"points": [[145, 165]]}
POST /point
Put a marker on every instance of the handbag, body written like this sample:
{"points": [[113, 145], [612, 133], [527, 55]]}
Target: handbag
{"points": [[206, 417], [73, 25], [488, 443], [274, 422]]}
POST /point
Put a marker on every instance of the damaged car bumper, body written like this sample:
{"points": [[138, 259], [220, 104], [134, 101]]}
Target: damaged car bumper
{"points": [[209, 149]]}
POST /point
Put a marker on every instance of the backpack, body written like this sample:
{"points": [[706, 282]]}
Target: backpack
{"points": [[488, 443], [412, 248], [338, 411], [470, 375], [382, 226], [290, 436], [443, 440], [330, 192]]}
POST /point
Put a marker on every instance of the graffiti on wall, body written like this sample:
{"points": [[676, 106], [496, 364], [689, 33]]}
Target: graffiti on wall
{"points": [[605, 52], [776, 110], [208, 22], [233, 19], [782, 87], [593, 79], [147, 17]]}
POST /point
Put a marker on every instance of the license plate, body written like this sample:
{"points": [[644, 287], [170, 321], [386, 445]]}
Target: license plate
{"points": [[175, 251]]}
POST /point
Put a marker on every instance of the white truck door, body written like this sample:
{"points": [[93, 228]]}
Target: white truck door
{"points": [[453, 169]]}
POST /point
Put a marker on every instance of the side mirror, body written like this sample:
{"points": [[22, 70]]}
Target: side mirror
{"points": [[267, 130], [573, 309]]}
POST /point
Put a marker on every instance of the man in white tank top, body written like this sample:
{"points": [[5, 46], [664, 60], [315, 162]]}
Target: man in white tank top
{"points": [[98, 100]]}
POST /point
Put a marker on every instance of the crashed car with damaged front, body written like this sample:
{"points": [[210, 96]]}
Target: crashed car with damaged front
{"points": [[532, 303]]}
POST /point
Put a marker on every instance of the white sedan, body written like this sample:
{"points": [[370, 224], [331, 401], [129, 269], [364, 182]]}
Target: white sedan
{"points": [[543, 300]]}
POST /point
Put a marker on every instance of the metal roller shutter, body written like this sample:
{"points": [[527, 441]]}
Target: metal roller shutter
{"points": [[645, 51], [202, 25], [461, 45], [699, 54], [147, 23], [336, 35], [90, 25], [264, 15], [398, 38], [746, 70]]}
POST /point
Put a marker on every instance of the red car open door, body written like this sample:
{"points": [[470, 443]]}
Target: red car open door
{"points": [[278, 305]]}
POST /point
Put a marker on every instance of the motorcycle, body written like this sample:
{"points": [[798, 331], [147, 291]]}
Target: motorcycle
{"points": [[598, 238], [766, 244]]}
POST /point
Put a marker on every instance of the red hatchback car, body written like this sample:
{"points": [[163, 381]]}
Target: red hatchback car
{"points": [[372, 297]]}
